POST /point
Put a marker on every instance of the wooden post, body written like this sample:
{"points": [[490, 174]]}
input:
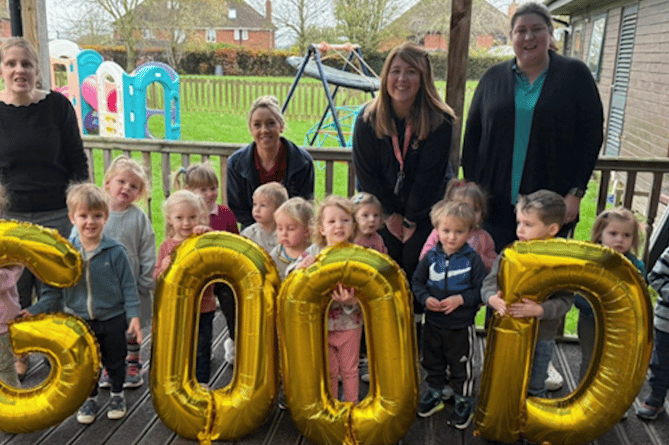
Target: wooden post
{"points": [[456, 75], [35, 31]]}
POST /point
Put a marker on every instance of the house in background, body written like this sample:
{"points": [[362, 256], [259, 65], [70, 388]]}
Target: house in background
{"points": [[229, 21], [5, 24], [428, 22]]}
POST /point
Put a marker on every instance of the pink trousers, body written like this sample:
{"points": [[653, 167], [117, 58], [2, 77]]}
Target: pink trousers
{"points": [[343, 352]]}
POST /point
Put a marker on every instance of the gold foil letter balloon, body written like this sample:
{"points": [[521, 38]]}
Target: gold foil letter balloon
{"points": [[385, 415], [66, 340], [182, 404], [619, 296]]}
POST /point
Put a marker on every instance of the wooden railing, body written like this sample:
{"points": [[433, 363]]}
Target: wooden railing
{"points": [[642, 178]]}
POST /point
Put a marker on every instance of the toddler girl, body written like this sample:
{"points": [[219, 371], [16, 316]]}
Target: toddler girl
{"points": [[201, 179], [185, 214], [293, 230], [336, 224], [368, 216], [479, 240], [126, 182], [618, 229], [9, 309]]}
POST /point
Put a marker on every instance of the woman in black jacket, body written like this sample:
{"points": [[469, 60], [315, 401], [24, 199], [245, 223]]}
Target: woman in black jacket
{"points": [[270, 157], [401, 148]]}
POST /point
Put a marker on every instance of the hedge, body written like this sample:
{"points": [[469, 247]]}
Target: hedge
{"points": [[236, 61]]}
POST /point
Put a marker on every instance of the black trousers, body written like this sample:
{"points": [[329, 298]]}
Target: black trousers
{"points": [[111, 338], [452, 348]]}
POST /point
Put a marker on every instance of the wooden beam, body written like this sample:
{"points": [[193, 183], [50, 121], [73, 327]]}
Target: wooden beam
{"points": [[33, 14], [456, 74]]}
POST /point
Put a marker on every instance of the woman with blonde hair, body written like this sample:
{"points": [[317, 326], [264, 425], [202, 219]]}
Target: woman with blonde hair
{"points": [[401, 149]]}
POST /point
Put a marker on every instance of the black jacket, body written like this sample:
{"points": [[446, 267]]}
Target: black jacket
{"points": [[243, 178], [566, 134], [426, 167]]}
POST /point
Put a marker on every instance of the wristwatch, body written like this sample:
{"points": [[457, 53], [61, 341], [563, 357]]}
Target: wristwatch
{"points": [[577, 192], [408, 224]]}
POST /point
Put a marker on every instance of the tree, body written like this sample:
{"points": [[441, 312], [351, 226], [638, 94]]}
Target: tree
{"points": [[302, 20], [365, 21]]}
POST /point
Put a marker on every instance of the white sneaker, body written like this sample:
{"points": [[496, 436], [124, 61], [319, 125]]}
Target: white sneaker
{"points": [[554, 381], [229, 347]]}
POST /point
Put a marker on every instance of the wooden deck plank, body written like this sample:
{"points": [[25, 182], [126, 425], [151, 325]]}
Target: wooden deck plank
{"points": [[142, 427]]}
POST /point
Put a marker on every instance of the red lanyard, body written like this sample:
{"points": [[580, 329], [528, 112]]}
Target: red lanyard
{"points": [[400, 156], [396, 145]]}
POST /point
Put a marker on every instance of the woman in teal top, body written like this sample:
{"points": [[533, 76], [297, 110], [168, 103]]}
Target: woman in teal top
{"points": [[535, 122]]}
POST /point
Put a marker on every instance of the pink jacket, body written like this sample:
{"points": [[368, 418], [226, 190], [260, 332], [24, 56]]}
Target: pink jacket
{"points": [[480, 241]]}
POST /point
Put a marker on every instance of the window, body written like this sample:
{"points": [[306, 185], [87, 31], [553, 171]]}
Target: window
{"points": [[210, 35], [241, 34], [594, 60], [148, 34], [173, 4], [577, 41], [179, 35], [232, 13]]}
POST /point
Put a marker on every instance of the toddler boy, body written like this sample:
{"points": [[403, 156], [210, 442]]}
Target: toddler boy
{"points": [[447, 282], [266, 199], [539, 215], [104, 297]]}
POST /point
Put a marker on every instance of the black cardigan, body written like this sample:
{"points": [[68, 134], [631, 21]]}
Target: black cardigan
{"points": [[243, 178], [564, 142], [426, 167]]}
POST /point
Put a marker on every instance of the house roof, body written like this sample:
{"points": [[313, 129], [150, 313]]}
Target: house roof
{"points": [[211, 17], [569, 7], [429, 16]]}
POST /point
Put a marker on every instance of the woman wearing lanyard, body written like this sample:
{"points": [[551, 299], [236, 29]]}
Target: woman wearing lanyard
{"points": [[401, 148], [535, 122]]}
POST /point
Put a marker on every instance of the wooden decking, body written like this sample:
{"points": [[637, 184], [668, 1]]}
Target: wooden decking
{"points": [[141, 426]]}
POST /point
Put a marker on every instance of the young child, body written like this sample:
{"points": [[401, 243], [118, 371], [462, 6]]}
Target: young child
{"points": [[618, 229], [9, 309], [125, 183], [336, 224], [266, 199], [293, 219], [368, 216], [480, 240], [201, 179], [104, 297], [447, 282], [539, 215], [185, 215], [653, 406]]}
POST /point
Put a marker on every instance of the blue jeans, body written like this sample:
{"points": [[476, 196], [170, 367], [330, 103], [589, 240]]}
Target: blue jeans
{"points": [[543, 353], [204, 336], [659, 370]]}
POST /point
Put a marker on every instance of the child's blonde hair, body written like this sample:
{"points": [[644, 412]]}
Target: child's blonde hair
{"points": [[333, 201], [548, 205], [88, 195], [454, 209], [275, 191], [620, 214], [298, 209], [270, 103], [180, 197], [4, 200], [362, 199], [459, 189], [122, 164], [195, 176]]}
